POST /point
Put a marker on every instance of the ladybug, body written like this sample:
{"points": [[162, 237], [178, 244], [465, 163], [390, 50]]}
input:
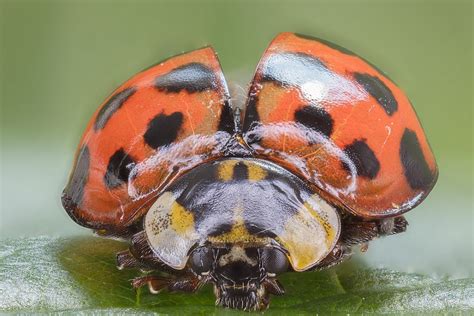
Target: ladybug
{"points": [[326, 154]]}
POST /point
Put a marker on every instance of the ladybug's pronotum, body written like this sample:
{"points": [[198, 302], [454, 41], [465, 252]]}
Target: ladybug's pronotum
{"points": [[328, 154]]}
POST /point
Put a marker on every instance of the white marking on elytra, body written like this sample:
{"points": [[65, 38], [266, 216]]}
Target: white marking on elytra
{"points": [[297, 131], [389, 132], [314, 91]]}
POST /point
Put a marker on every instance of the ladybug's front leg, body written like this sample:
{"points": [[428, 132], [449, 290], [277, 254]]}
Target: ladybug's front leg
{"points": [[156, 284], [140, 256], [125, 260]]}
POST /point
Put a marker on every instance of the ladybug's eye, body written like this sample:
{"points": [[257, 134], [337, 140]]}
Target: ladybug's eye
{"points": [[274, 260], [201, 260]]}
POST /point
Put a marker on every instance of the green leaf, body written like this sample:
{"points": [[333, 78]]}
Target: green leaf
{"points": [[78, 274]]}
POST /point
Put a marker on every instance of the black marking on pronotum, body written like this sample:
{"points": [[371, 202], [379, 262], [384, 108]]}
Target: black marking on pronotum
{"points": [[218, 230], [258, 230], [240, 172], [192, 77], [74, 191], [377, 89], [315, 118], [416, 169], [163, 129], [118, 169], [113, 104], [294, 69], [364, 159], [226, 121], [327, 43]]}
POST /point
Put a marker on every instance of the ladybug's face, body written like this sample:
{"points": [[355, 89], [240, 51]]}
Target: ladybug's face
{"points": [[243, 277]]}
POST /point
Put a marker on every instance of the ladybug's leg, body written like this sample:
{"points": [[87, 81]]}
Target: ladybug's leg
{"points": [[339, 254], [156, 284], [356, 231], [273, 286], [125, 260], [189, 284], [140, 256], [391, 226]]}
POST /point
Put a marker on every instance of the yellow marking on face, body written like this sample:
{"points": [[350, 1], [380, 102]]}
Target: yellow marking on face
{"points": [[330, 233], [182, 221], [225, 170], [255, 172]]}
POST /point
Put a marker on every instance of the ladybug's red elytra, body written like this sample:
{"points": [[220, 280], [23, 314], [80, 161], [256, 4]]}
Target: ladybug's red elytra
{"points": [[328, 154]]}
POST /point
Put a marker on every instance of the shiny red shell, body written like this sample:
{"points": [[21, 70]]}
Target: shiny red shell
{"points": [[315, 108], [337, 121], [160, 123]]}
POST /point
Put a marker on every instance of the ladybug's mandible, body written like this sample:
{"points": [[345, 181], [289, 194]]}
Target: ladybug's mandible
{"points": [[328, 154]]}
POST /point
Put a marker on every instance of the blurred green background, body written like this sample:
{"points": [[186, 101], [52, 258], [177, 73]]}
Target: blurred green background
{"points": [[60, 60]]}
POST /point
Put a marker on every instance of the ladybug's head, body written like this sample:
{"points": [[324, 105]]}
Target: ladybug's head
{"points": [[243, 277]]}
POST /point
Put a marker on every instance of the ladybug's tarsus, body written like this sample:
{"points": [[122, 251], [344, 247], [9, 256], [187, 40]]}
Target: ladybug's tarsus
{"points": [[155, 283], [339, 254]]}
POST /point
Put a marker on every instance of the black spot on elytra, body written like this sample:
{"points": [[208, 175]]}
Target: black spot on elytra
{"points": [[240, 172], [327, 43], [118, 169], [294, 69], [415, 167], [192, 77], [113, 104], [163, 129], [315, 118], [364, 159], [226, 121], [74, 191], [377, 89]]}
